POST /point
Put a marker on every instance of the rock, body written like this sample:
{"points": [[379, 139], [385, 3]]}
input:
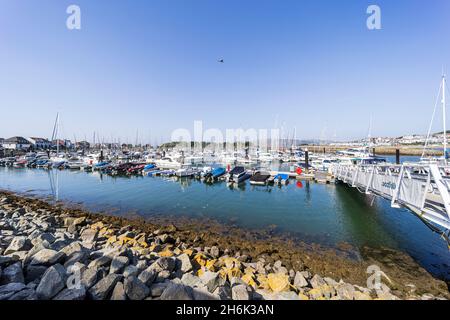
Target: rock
{"points": [[79, 256], [118, 264], [317, 281], [223, 292], [100, 262], [386, 296], [164, 263], [306, 274], [4, 261], [13, 274], [72, 248], [118, 292], [157, 289], [300, 281], [190, 280], [162, 276], [18, 244], [104, 287], [26, 294], [89, 277], [345, 291], [148, 276], [212, 280], [131, 271], [362, 296], [177, 292], [89, 235], [47, 257], [214, 251], [239, 292], [33, 273], [71, 294], [287, 295], [184, 263], [43, 237], [203, 294], [10, 289], [52, 282], [135, 289], [330, 282]]}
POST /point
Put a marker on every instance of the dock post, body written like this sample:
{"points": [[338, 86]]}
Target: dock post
{"points": [[307, 161], [397, 156], [373, 152]]}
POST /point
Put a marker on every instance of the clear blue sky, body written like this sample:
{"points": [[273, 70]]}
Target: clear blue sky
{"points": [[152, 66]]}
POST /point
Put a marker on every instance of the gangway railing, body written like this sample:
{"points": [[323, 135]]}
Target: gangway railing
{"points": [[422, 188]]}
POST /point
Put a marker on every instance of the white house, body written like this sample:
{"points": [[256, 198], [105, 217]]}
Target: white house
{"points": [[16, 143]]}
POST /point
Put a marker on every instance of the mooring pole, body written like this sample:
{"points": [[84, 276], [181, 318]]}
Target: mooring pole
{"points": [[397, 156], [373, 152], [307, 161]]}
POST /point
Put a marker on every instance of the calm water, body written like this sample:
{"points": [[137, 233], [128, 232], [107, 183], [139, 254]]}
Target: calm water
{"points": [[325, 214]]}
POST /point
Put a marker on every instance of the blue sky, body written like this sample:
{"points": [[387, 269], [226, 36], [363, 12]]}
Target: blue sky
{"points": [[151, 66]]}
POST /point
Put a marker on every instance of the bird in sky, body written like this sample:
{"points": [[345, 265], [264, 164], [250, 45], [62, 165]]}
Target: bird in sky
{"points": [[220, 61]]}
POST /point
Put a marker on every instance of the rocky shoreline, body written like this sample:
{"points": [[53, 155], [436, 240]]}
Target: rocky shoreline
{"points": [[51, 252]]}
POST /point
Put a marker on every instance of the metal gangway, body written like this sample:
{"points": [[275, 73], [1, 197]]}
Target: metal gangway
{"points": [[422, 188]]}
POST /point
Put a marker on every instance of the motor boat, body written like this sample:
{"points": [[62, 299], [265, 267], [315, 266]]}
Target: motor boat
{"points": [[281, 178], [186, 171], [168, 163], [237, 175], [259, 178]]}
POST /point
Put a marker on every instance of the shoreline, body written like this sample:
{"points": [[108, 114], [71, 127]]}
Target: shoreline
{"points": [[223, 262]]}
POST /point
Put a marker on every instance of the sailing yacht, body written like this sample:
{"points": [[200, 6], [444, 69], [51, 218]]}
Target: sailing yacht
{"points": [[438, 160]]}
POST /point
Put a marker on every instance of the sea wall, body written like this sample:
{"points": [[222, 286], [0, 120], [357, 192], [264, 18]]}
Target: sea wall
{"points": [[52, 252]]}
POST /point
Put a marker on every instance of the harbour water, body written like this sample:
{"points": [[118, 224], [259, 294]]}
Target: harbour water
{"points": [[325, 214]]}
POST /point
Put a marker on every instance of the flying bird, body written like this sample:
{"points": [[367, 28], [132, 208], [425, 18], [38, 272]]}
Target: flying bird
{"points": [[220, 61]]}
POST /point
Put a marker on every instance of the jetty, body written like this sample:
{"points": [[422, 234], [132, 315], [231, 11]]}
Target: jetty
{"points": [[424, 189]]}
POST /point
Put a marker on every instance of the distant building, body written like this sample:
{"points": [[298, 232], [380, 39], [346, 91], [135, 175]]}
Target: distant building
{"points": [[84, 145], [16, 143], [40, 143], [62, 144]]}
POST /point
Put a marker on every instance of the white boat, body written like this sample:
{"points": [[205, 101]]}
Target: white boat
{"points": [[168, 163], [186, 171]]}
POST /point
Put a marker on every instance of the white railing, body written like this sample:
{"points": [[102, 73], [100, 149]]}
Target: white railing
{"points": [[422, 188]]}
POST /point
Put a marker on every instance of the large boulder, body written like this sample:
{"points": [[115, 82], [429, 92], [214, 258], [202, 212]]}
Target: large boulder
{"points": [[148, 276], [52, 282], [118, 264], [135, 289], [177, 292], [300, 281], [13, 273], [103, 288], [20, 243], [240, 292], [10, 289], [118, 292], [184, 263], [47, 257]]}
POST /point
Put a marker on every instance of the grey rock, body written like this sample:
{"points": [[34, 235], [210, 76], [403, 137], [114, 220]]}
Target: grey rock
{"points": [[223, 292], [203, 294], [164, 263], [286, 295], [79, 256], [4, 261], [89, 235], [118, 292], [89, 277], [212, 280], [33, 273], [26, 294], [130, 271], [100, 262], [184, 263], [300, 281], [190, 280], [47, 257], [118, 264], [20, 243], [13, 273], [10, 289], [104, 287], [141, 265], [162, 276], [317, 281], [157, 289], [135, 289], [43, 237], [239, 292], [148, 276], [52, 282], [71, 294], [177, 292], [72, 248]]}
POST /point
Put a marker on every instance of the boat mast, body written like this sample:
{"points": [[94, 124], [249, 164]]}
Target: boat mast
{"points": [[444, 117]]}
